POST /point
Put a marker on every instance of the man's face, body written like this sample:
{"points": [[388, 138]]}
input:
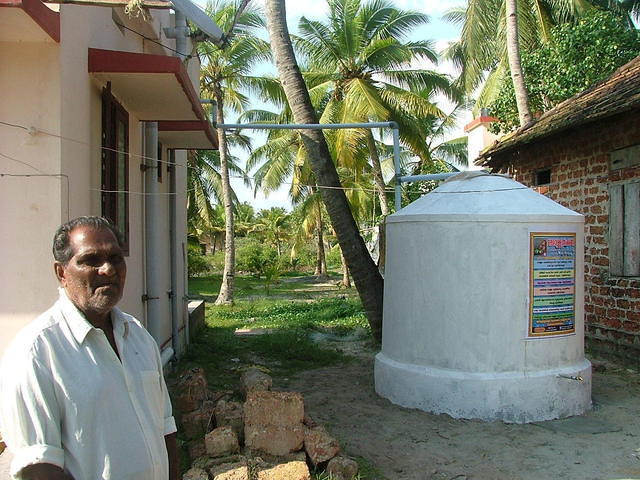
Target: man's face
{"points": [[94, 276]]}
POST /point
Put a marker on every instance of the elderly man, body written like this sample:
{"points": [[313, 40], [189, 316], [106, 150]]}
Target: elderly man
{"points": [[82, 394]]}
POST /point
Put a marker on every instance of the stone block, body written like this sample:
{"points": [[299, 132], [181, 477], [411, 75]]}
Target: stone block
{"points": [[273, 439], [191, 390], [283, 409], [196, 318], [285, 471], [342, 468], [255, 380], [309, 422], [230, 414], [195, 474], [197, 423], [319, 445], [230, 471], [197, 449], [221, 441]]}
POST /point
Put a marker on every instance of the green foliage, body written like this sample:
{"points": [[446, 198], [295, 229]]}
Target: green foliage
{"points": [[415, 190], [255, 257], [333, 258], [304, 258], [197, 262], [580, 55]]}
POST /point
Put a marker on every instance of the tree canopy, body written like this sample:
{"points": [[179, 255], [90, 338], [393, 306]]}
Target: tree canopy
{"points": [[579, 55]]}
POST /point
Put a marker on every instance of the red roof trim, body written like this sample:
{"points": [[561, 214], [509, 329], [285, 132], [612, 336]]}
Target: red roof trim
{"points": [[189, 126], [46, 18], [115, 61], [478, 121]]}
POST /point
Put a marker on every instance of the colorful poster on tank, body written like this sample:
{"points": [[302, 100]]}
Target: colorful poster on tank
{"points": [[552, 284]]}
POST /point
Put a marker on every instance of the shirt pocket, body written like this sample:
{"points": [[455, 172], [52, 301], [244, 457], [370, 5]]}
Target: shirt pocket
{"points": [[153, 400]]}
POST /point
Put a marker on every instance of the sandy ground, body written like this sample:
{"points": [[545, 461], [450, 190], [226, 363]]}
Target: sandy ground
{"points": [[404, 444], [409, 444]]}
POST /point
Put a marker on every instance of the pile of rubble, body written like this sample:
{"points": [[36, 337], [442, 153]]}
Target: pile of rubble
{"points": [[268, 437]]}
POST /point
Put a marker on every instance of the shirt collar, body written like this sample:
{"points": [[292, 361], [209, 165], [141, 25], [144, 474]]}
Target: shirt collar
{"points": [[80, 326]]}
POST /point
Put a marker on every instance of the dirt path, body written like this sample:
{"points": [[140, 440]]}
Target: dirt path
{"points": [[405, 444]]}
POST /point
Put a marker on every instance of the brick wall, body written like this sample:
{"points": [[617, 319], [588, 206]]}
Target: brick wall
{"points": [[580, 177]]}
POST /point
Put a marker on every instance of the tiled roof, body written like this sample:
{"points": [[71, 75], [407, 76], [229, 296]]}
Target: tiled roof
{"points": [[617, 94]]}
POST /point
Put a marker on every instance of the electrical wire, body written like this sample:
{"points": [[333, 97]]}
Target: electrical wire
{"points": [[143, 157], [20, 161], [49, 175], [182, 54]]}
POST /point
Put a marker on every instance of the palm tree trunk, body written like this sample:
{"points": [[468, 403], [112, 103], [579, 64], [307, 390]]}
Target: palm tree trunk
{"points": [[515, 65], [365, 274], [321, 257], [377, 173], [346, 281], [225, 296]]}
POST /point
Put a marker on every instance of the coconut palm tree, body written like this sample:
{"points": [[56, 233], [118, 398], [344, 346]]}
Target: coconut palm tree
{"points": [[362, 54], [205, 191], [363, 270], [284, 160], [273, 226], [515, 64], [493, 34], [224, 73]]}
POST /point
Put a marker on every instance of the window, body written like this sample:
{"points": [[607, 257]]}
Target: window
{"points": [[115, 163], [543, 177], [624, 229]]}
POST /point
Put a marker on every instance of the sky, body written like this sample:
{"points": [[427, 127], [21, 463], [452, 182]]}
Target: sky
{"points": [[437, 30]]}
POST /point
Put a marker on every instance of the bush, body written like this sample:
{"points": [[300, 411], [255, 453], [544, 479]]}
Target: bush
{"points": [[256, 258], [304, 259], [197, 262]]}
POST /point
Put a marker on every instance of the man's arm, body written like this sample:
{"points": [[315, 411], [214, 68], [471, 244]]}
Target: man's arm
{"points": [[172, 452], [44, 471]]}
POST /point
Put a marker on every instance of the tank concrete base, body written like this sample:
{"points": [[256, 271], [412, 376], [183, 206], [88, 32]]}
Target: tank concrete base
{"points": [[513, 397]]}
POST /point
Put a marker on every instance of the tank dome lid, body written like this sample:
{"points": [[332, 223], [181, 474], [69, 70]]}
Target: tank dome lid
{"points": [[480, 196]]}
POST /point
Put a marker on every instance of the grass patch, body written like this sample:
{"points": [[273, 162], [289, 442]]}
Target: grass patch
{"points": [[290, 287], [293, 325], [299, 312]]}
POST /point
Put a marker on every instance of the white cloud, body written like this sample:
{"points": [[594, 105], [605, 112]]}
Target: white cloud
{"points": [[279, 198]]}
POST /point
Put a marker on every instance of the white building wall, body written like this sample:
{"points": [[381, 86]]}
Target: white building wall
{"points": [[478, 137], [31, 207], [47, 86]]}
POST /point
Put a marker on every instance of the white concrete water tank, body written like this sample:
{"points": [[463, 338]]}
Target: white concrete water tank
{"points": [[483, 304]]}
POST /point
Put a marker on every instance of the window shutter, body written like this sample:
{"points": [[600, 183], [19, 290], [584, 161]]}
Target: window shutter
{"points": [[631, 267], [616, 230]]}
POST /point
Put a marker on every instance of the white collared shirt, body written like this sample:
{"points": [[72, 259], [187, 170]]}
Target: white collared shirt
{"points": [[66, 398]]}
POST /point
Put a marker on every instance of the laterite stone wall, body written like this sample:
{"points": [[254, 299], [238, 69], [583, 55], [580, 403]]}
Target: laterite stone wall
{"points": [[581, 176]]}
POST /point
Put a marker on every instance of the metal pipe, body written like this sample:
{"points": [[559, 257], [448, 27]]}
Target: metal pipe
{"points": [[175, 331], [396, 165], [181, 32], [152, 231], [304, 126], [166, 356], [421, 178], [330, 126]]}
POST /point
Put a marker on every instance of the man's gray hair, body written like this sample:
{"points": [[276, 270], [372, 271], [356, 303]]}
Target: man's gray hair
{"points": [[62, 250]]}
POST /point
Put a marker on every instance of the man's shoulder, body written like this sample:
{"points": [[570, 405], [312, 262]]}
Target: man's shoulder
{"points": [[36, 328], [34, 333]]}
